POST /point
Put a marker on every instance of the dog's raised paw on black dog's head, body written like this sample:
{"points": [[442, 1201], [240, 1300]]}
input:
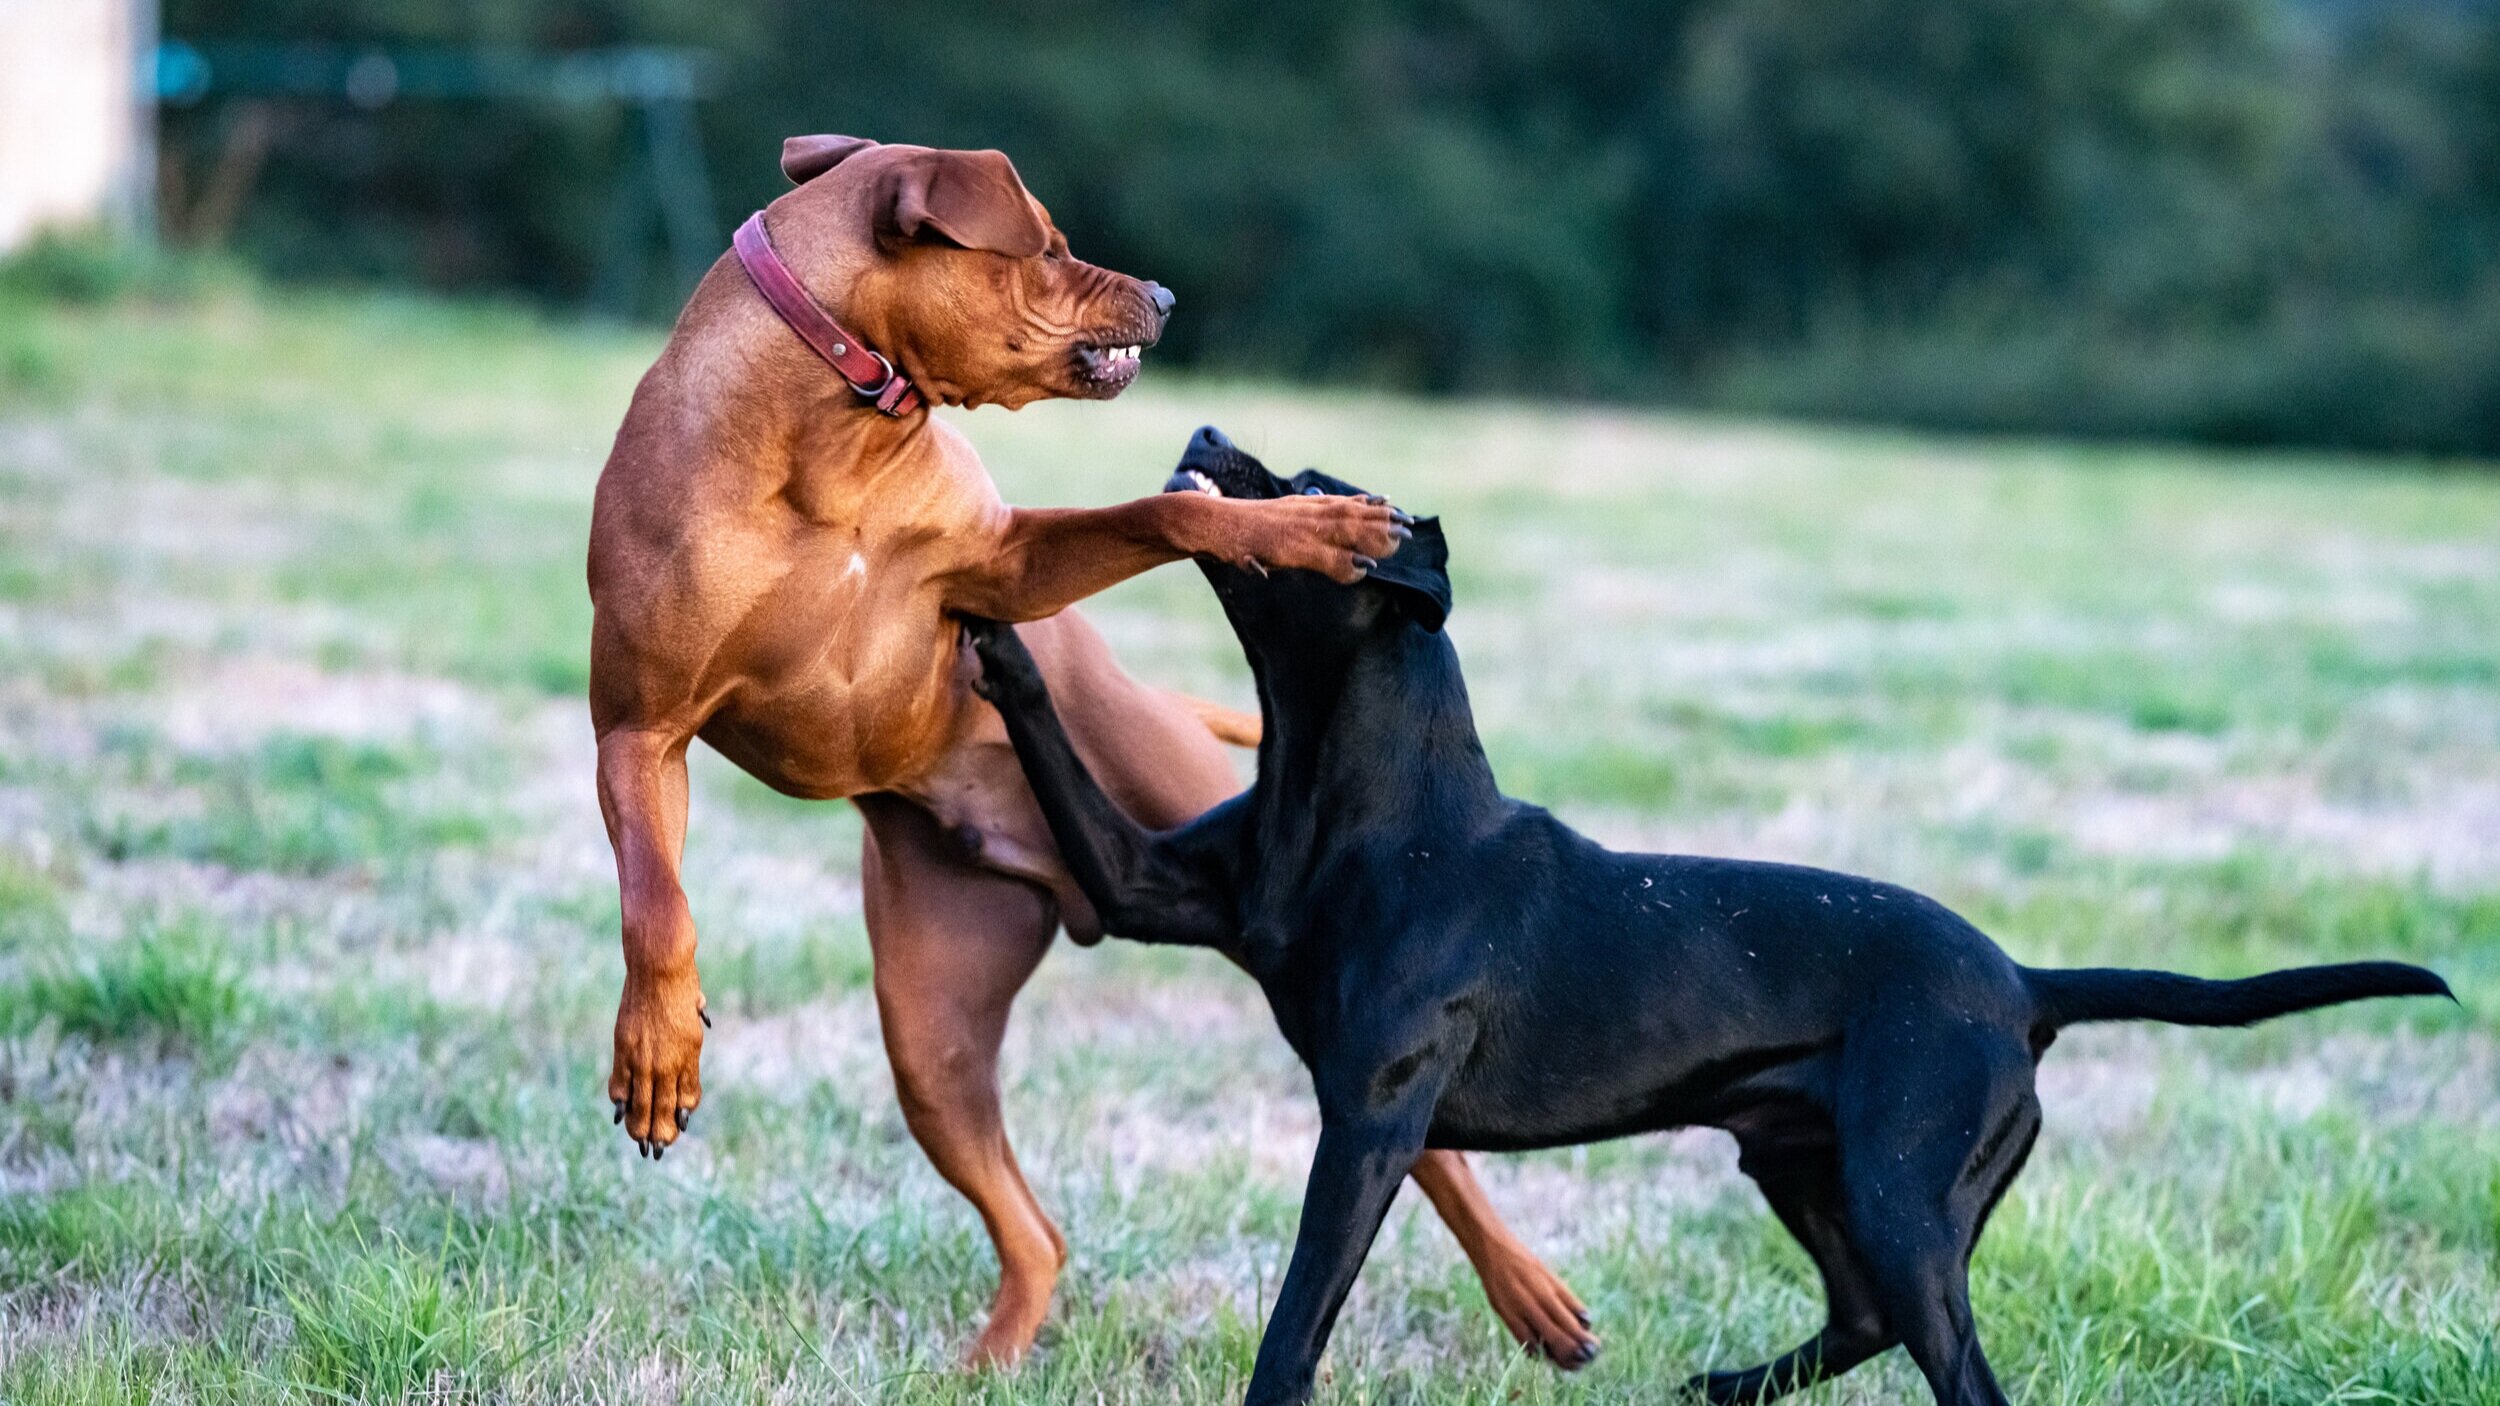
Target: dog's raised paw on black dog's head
{"points": [[1417, 578]]}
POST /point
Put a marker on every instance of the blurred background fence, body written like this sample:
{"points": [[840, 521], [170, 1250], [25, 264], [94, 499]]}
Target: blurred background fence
{"points": [[2231, 220]]}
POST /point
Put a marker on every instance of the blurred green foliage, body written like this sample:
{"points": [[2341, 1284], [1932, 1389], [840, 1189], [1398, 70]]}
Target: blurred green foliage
{"points": [[2238, 220]]}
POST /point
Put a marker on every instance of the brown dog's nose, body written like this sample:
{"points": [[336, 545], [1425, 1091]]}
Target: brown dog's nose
{"points": [[1161, 297]]}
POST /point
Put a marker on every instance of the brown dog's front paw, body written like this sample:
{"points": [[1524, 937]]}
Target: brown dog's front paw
{"points": [[1339, 537], [656, 1080]]}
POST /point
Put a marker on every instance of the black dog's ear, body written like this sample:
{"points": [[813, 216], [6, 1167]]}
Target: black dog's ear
{"points": [[1419, 574]]}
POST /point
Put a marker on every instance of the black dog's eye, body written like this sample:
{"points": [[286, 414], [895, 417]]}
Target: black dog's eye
{"points": [[1314, 491]]}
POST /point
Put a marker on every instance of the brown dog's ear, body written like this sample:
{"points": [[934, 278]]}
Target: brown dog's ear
{"points": [[969, 198], [803, 159]]}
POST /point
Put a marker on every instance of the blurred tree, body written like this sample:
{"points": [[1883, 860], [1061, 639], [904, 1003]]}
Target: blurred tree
{"points": [[2229, 219]]}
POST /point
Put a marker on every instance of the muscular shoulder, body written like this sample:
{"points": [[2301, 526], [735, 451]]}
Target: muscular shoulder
{"points": [[936, 495]]}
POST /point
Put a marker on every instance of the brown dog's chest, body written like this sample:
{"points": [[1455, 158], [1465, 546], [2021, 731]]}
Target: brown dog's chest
{"points": [[839, 682]]}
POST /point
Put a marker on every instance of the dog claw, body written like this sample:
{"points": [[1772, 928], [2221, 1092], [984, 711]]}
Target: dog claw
{"points": [[707, 1018], [685, 1118], [1583, 1315], [1365, 565], [658, 1151], [1402, 533], [1401, 517], [620, 1110]]}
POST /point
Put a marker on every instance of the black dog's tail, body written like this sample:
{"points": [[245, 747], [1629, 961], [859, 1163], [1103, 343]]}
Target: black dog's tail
{"points": [[2078, 994]]}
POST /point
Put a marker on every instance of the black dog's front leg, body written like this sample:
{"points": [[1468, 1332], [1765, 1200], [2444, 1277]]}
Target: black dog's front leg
{"points": [[1354, 1176], [1152, 887]]}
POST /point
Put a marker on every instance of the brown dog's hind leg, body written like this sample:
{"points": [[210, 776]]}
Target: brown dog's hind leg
{"points": [[953, 944], [1532, 1302]]}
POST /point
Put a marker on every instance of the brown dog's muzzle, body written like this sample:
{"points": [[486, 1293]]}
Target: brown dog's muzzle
{"points": [[1107, 361]]}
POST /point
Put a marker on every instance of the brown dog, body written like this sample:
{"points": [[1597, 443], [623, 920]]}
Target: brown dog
{"points": [[773, 562]]}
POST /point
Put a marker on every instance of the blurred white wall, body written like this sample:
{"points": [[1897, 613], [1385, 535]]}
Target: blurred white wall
{"points": [[75, 147]]}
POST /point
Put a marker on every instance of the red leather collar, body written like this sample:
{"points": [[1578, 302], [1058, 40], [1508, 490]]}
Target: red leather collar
{"points": [[871, 375]]}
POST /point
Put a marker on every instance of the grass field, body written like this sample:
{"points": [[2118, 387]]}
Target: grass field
{"points": [[308, 929]]}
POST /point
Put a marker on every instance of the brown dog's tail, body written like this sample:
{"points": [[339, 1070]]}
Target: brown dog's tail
{"points": [[1231, 726], [2075, 995]]}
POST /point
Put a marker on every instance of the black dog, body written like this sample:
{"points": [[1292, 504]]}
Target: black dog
{"points": [[1461, 970]]}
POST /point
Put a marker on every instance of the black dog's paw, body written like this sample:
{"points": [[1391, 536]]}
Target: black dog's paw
{"points": [[1008, 673], [1745, 1388]]}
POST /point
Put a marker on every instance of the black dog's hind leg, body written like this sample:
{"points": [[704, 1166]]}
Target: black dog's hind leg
{"points": [[1934, 1122], [1146, 886], [1801, 1180]]}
